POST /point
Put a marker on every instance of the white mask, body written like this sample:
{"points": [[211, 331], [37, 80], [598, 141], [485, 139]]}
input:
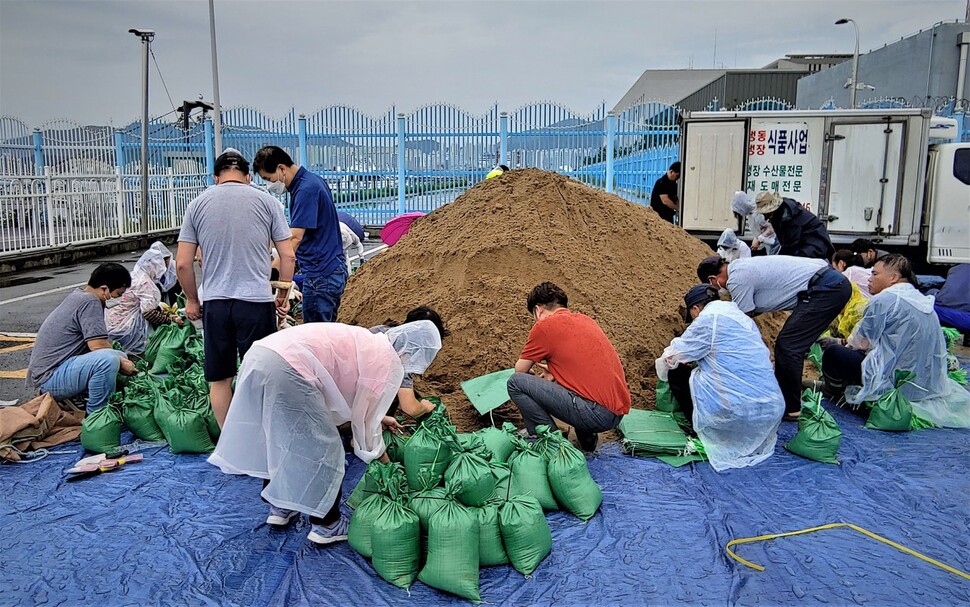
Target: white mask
{"points": [[112, 302], [276, 187]]}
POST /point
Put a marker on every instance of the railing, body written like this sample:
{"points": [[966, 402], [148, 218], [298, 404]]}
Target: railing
{"points": [[66, 184]]}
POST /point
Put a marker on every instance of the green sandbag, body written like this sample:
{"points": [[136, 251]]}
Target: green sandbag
{"points": [[428, 451], [952, 336], [818, 437], [425, 503], [959, 376], [665, 398], [571, 483], [185, 429], [360, 533], [171, 340], [394, 443], [473, 443], [491, 550], [815, 356], [396, 544], [101, 430], [197, 399], [529, 476], [525, 533], [377, 478], [453, 544], [498, 441], [138, 409], [893, 411], [475, 476]]}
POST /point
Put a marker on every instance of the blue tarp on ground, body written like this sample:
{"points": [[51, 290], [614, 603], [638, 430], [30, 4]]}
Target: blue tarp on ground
{"points": [[173, 530]]}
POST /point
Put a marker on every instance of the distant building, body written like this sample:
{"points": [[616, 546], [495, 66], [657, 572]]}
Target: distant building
{"points": [[922, 70], [695, 89]]}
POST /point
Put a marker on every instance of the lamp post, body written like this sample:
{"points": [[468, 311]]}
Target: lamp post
{"points": [[217, 108], [855, 60], [146, 40]]}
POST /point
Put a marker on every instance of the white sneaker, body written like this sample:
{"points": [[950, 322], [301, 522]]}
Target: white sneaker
{"points": [[280, 516]]}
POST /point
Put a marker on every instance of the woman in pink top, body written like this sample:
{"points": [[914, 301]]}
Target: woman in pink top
{"points": [[295, 388]]}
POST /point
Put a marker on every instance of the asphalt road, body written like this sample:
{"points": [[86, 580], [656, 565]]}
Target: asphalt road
{"points": [[27, 300]]}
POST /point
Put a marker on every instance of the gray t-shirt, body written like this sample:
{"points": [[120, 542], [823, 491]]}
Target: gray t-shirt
{"points": [[234, 224], [771, 282], [65, 333]]}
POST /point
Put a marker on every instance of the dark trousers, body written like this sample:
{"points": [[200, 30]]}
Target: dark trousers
{"points": [[817, 307], [679, 380], [842, 366], [333, 515], [539, 400]]}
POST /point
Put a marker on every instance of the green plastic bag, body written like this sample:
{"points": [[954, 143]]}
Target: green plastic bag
{"points": [[396, 543], [529, 476], [959, 376], [893, 411], [395, 446], [185, 429], [138, 407], [815, 356], [665, 398], [360, 533], [101, 430], [169, 346], [818, 437], [571, 483], [491, 550], [525, 533], [377, 478], [952, 336], [426, 502], [453, 544], [498, 441], [428, 452], [475, 476], [503, 480], [473, 443], [196, 398]]}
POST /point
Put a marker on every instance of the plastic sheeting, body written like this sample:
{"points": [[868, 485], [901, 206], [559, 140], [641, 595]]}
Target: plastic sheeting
{"points": [[173, 530]]}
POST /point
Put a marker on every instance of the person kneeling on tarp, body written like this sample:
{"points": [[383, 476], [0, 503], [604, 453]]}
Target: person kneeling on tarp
{"points": [[899, 331], [295, 387], [732, 398], [589, 392]]}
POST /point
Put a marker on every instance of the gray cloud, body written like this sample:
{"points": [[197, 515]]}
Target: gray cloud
{"points": [[76, 59]]}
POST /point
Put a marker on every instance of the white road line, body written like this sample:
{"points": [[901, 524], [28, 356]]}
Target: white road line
{"points": [[47, 292], [13, 334]]}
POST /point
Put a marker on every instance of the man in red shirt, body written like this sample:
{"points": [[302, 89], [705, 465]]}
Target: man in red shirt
{"points": [[588, 388]]}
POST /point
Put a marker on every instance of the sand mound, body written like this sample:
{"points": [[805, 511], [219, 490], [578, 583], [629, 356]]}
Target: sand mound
{"points": [[476, 260]]}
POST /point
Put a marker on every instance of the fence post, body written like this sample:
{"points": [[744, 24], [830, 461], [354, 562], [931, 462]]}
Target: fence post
{"points": [[304, 161], [119, 150], [171, 197], [121, 200], [38, 152], [610, 144], [400, 165], [48, 186], [503, 122], [210, 151]]}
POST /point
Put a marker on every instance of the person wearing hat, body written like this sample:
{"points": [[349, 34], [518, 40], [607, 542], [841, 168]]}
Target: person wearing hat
{"points": [[812, 290], [744, 208], [799, 232], [663, 197], [731, 398], [233, 224]]}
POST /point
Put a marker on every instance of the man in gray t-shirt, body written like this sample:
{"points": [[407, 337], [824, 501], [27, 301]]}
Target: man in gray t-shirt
{"points": [[233, 224], [813, 291], [72, 353]]}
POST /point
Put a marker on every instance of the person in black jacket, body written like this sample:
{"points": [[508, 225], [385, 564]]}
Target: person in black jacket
{"points": [[799, 232]]}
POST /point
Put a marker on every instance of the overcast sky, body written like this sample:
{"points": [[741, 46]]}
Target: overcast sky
{"points": [[75, 59]]}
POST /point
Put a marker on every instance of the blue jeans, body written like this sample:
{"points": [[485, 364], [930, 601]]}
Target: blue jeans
{"points": [[95, 373], [321, 296]]}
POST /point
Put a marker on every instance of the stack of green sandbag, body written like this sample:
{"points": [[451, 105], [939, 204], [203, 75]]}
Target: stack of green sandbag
{"points": [[462, 502], [818, 437], [652, 434]]}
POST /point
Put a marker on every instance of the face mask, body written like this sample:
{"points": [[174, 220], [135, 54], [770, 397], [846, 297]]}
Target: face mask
{"points": [[277, 188], [112, 302]]}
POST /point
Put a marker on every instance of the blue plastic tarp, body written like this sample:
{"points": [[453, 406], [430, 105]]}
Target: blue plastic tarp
{"points": [[173, 530]]}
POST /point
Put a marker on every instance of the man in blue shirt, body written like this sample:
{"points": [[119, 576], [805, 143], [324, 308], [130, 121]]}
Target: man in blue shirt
{"points": [[315, 229]]}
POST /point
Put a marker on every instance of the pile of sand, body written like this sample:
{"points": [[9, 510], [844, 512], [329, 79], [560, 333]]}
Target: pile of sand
{"points": [[476, 260]]}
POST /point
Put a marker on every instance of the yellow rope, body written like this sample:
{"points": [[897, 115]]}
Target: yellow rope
{"points": [[868, 533]]}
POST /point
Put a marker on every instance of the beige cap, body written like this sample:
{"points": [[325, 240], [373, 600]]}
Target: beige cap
{"points": [[768, 202]]}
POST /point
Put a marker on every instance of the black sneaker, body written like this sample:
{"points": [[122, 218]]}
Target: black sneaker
{"points": [[587, 441]]}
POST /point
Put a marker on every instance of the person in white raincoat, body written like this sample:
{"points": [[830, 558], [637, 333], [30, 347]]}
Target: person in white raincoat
{"points": [[730, 247], [295, 388], [169, 279], [744, 207], [352, 244], [733, 400], [899, 331], [130, 322]]}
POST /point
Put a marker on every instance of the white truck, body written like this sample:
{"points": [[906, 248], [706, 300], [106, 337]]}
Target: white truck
{"points": [[874, 174]]}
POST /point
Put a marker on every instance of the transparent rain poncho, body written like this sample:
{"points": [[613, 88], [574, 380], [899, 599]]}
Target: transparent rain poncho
{"points": [[168, 279], [730, 247], [125, 322], [417, 343], [737, 402], [294, 388], [900, 330]]}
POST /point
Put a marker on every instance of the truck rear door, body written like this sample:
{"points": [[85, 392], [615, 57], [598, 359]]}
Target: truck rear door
{"points": [[713, 168]]}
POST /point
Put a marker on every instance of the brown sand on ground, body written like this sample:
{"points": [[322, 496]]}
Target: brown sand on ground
{"points": [[475, 261]]}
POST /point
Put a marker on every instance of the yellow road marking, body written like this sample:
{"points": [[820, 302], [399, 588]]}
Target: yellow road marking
{"points": [[15, 348], [21, 374]]}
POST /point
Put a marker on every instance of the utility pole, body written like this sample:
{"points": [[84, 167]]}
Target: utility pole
{"points": [[146, 40], [217, 109]]}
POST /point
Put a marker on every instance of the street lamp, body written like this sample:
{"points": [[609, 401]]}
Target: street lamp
{"points": [[146, 40], [855, 60]]}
